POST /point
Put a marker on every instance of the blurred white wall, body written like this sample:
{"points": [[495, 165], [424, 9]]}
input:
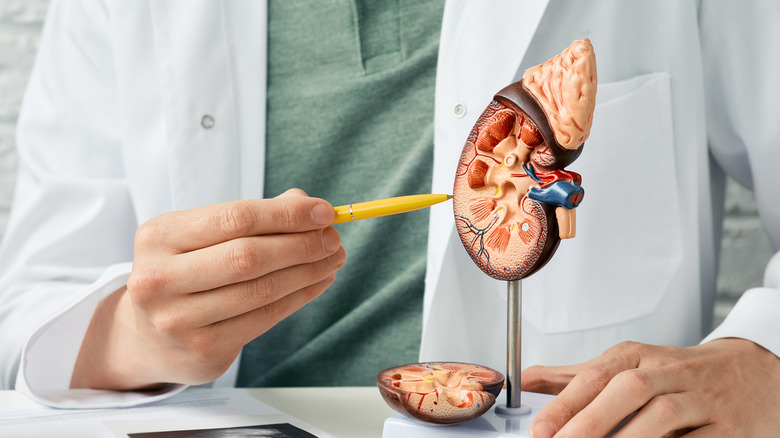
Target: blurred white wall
{"points": [[745, 249], [20, 26]]}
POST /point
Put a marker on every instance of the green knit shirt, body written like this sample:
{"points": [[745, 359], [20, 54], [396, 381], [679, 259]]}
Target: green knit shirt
{"points": [[350, 119]]}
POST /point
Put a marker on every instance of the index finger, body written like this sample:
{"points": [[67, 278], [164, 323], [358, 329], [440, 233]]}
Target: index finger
{"points": [[581, 391], [206, 226]]}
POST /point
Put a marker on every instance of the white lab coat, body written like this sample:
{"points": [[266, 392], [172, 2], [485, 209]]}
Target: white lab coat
{"points": [[114, 130]]}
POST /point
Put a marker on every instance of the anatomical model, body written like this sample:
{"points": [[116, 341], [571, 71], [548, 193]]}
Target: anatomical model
{"points": [[513, 203], [440, 392], [513, 200]]}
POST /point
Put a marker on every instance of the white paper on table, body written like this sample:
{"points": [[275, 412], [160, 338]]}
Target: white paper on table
{"points": [[191, 409]]}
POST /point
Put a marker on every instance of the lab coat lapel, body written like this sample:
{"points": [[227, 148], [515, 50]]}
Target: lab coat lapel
{"points": [[199, 101], [482, 47], [246, 29]]}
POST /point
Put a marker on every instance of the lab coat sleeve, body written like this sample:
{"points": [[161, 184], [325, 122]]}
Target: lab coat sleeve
{"points": [[69, 241], [739, 43]]}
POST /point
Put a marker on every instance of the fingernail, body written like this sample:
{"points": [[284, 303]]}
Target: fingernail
{"points": [[322, 214], [542, 429], [330, 240]]}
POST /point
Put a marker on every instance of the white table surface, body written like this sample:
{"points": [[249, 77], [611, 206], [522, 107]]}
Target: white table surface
{"points": [[354, 412]]}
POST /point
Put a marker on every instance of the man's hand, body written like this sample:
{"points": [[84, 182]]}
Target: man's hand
{"points": [[204, 283], [724, 388]]}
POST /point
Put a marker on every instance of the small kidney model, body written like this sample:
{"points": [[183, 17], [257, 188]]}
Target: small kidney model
{"points": [[440, 392], [513, 199]]}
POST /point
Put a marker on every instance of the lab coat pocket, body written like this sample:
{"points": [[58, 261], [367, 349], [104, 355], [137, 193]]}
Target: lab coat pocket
{"points": [[628, 242]]}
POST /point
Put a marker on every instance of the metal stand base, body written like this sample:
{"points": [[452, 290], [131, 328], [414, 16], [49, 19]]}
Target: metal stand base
{"points": [[490, 425], [503, 410]]}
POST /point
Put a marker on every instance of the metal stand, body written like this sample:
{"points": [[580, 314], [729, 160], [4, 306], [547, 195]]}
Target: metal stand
{"points": [[514, 322]]}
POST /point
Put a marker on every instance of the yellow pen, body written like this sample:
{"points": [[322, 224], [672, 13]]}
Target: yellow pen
{"points": [[386, 207]]}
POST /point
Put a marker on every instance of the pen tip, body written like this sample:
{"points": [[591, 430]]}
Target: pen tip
{"points": [[449, 197]]}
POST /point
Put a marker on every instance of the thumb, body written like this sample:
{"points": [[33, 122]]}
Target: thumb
{"points": [[547, 380]]}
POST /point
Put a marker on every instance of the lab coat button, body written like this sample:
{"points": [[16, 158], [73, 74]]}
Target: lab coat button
{"points": [[459, 110], [207, 122]]}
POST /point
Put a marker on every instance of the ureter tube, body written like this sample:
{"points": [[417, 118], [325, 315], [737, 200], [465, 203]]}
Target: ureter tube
{"points": [[386, 207]]}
